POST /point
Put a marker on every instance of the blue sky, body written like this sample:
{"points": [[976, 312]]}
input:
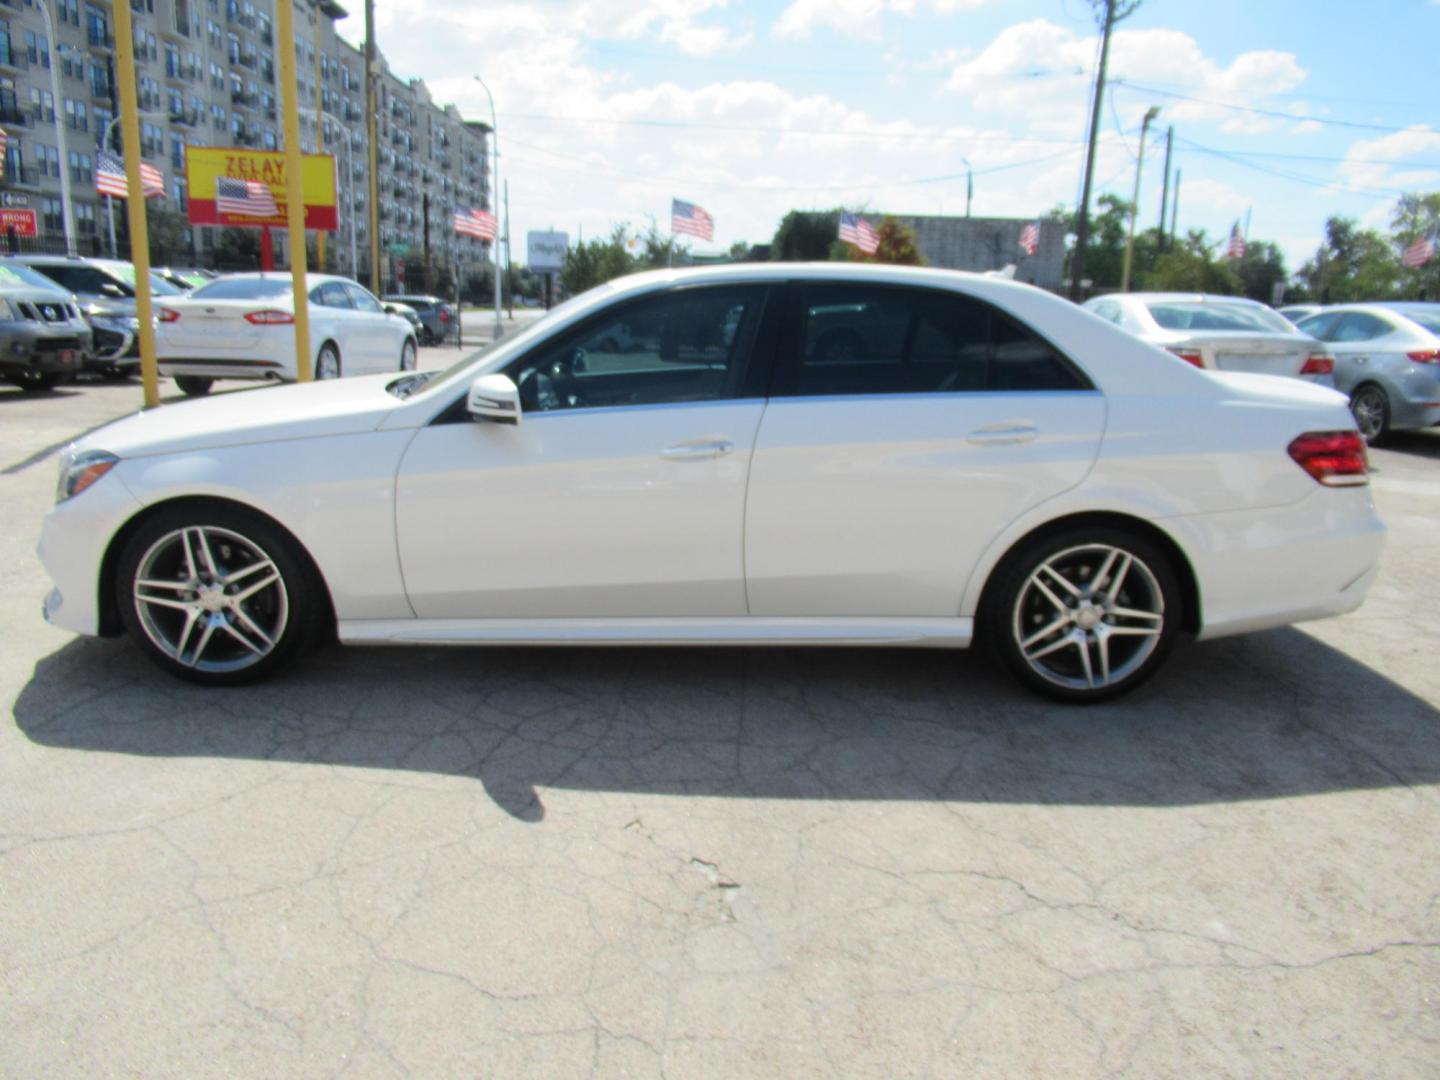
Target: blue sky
{"points": [[607, 108]]}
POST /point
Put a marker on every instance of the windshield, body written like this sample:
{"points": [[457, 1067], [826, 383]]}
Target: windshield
{"points": [[14, 275], [1207, 315], [417, 383], [158, 285], [243, 289]]}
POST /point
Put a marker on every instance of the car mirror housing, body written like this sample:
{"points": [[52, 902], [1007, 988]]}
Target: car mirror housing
{"points": [[495, 398]]}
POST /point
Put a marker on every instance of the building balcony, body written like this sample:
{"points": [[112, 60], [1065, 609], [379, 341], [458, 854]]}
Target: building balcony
{"points": [[97, 38]]}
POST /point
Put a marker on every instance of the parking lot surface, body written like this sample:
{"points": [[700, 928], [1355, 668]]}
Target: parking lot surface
{"points": [[750, 862]]}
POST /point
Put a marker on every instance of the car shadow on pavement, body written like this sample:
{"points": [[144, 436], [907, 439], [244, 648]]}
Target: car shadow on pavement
{"points": [[1414, 443], [1267, 716]]}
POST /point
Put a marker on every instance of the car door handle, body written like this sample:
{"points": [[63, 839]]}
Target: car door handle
{"points": [[1004, 434], [695, 451]]}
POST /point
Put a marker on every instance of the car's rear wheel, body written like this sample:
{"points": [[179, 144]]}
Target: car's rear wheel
{"points": [[1370, 406], [217, 595], [116, 373], [1086, 614], [408, 355], [193, 385], [327, 363]]}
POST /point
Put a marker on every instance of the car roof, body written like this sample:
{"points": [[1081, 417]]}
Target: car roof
{"points": [[311, 280], [1189, 298]]}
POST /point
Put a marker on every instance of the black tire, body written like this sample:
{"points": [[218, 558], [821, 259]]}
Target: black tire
{"points": [[194, 385], [290, 615], [324, 369], [409, 355], [116, 373], [1370, 407], [1016, 613], [39, 382]]}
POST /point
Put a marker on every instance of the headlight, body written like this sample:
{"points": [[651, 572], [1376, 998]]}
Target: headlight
{"points": [[79, 471]]}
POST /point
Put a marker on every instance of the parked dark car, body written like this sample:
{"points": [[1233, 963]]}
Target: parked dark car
{"points": [[436, 315], [43, 336]]}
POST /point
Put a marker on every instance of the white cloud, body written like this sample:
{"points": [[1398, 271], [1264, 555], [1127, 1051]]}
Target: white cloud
{"points": [[857, 17], [1004, 75], [1364, 166]]}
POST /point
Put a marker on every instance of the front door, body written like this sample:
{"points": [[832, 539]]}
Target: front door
{"points": [[622, 490]]}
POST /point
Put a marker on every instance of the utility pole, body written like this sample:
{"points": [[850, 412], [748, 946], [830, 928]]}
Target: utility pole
{"points": [[1164, 192], [372, 153], [1175, 207], [969, 185], [320, 137], [1150, 115], [294, 183], [509, 254], [1082, 227], [129, 111]]}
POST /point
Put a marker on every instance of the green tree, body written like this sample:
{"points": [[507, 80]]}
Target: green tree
{"points": [[1352, 264], [595, 262], [1262, 268], [1192, 266], [1105, 253], [237, 249], [657, 249], [804, 236], [1416, 217], [896, 245]]}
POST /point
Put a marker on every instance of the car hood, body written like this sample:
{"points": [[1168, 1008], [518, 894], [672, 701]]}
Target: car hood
{"points": [[260, 415]]}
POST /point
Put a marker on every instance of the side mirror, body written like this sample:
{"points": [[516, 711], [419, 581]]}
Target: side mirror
{"points": [[495, 398]]}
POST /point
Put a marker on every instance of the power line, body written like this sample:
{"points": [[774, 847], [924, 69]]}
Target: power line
{"points": [[1255, 110], [1312, 181]]}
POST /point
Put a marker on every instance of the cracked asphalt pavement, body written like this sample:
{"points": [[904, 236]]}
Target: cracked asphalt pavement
{"points": [[701, 863]]}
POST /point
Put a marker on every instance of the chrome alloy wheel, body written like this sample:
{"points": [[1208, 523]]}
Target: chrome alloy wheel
{"points": [[1368, 407], [1089, 616], [211, 599]]}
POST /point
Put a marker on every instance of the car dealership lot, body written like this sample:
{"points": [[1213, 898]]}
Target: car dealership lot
{"points": [[762, 863]]}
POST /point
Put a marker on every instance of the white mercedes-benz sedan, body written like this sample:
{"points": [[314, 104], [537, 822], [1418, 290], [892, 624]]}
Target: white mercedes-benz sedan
{"points": [[766, 454], [242, 326]]}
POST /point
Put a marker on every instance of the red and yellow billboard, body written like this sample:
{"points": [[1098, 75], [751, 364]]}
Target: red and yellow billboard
{"points": [[206, 166]]}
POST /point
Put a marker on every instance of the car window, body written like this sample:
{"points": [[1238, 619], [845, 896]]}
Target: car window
{"points": [[18, 275], [1108, 310], [1429, 320], [686, 345], [1208, 315], [243, 289], [362, 300], [1357, 326], [876, 340], [334, 294], [1318, 326], [78, 278]]}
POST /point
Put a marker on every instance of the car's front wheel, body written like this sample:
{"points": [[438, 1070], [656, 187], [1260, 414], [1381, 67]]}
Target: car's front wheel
{"points": [[1084, 615], [194, 385], [217, 595], [327, 364], [408, 355]]}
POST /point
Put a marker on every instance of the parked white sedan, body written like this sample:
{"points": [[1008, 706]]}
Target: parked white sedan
{"points": [[242, 326], [780, 454]]}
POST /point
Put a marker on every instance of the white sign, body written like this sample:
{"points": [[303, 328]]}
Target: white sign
{"points": [[545, 251]]}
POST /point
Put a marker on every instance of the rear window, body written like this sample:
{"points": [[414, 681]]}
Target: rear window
{"points": [[1430, 320], [1180, 315], [243, 289]]}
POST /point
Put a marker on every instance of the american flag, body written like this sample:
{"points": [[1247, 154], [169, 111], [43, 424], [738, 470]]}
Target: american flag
{"points": [[688, 218], [854, 229], [110, 177], [477, 223], [1236, 250], [1419, 253], [1030, 238], [244, 198]]}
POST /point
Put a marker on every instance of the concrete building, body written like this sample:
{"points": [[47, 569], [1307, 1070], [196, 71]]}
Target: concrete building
{"points": [[961, 243], [206, 75]]}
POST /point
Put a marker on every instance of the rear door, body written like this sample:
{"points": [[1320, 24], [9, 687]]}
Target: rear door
{"points": [[378, 335], [1357, 340], [907, 428]]}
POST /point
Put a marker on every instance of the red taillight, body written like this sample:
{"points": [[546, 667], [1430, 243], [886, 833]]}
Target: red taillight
{"points": [[1425, 356], [166, 314], [1190, 356], [444, 314], [269, 317], [1334, 458], [1318, 364]]}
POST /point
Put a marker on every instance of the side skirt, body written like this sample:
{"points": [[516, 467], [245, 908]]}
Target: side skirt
{"points": [[942, 633]]}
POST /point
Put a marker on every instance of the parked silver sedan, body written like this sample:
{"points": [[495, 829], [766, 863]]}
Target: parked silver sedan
{"points": [[1387, 358], [1221, 333]]}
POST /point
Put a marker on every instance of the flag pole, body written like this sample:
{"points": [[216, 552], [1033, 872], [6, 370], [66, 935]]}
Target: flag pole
{"points": [[110, 217]]}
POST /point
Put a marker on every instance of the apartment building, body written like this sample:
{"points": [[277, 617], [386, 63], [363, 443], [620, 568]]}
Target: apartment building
{"points": [[206, 75]]}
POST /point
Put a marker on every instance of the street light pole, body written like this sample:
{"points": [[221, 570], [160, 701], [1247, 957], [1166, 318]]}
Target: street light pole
{"points": [[494, 190], [67, 211], [1150, 114]]}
